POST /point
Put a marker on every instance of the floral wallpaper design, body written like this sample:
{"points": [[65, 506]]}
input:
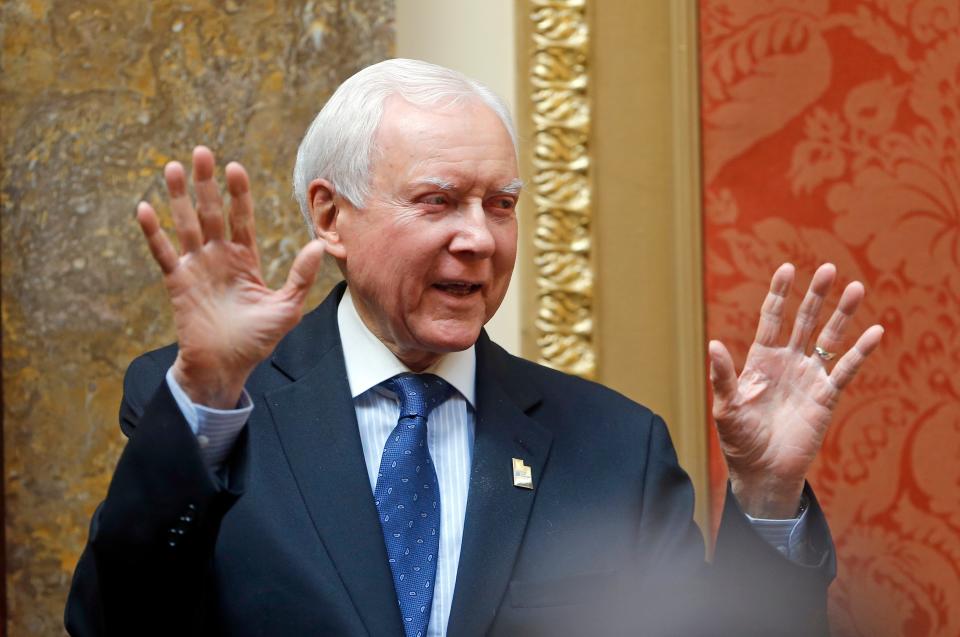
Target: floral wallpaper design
{"points": [[831, 132]]}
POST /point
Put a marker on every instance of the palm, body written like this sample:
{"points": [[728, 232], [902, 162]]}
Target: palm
{"points": [[227, 319], [772, 419], [222, 308], [776, 386]]}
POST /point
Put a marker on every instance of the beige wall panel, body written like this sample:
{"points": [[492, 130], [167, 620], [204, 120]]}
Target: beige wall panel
{"points": [[96, 97], [648, 230]]}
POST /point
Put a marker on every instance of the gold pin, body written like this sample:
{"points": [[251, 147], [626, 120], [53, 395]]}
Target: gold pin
{"points": [[522, 475]]}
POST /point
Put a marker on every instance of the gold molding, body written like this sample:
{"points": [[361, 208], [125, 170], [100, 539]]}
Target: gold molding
{"points": [[562, 242]]}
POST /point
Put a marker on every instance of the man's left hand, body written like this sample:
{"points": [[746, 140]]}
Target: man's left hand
{"points": [[772, 418]]}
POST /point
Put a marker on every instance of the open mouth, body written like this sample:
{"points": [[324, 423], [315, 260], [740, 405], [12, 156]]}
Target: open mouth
{"points": [[458, 288]]}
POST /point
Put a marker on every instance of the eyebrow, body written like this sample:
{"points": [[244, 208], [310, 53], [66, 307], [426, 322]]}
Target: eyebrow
{"points": [[439, 183], [511, 188]]}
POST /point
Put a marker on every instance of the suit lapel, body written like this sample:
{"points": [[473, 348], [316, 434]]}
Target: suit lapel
{"points": [[316, 421], [497, 511]]}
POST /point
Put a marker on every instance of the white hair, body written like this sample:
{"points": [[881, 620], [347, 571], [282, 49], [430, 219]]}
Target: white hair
{"points": [[339, 144]]}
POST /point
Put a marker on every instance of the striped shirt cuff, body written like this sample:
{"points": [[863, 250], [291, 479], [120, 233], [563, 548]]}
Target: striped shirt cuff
{"points": [[789, 537], [216, 429]]}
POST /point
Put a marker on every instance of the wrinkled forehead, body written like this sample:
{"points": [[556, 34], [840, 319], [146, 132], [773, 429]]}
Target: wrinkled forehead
{"points": [[463, 136], [448, 114]]}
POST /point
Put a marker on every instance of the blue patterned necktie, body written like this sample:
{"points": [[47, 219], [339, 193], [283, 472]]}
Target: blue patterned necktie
{"points": [[408, 498]]}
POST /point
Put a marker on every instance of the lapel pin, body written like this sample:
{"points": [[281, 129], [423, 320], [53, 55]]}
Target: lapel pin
{"points": [[522, 475]]}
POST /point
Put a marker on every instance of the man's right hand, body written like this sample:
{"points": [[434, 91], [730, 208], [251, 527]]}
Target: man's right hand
{"points": [[227, 319]]}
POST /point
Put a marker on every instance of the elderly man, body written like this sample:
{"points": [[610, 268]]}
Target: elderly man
{"points": [[382, 468]]}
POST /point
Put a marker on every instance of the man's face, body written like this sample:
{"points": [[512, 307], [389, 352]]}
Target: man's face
{"points": [[429, 258]]}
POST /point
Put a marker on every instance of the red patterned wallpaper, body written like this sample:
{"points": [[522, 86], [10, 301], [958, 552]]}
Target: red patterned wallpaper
{"points": [[831, 132]]}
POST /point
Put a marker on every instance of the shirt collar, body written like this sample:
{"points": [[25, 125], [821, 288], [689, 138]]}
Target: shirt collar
{"points": [[369, 362]]}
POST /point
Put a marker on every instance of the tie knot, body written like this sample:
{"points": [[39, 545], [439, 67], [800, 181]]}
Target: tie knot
{"points": [[418, 393]]}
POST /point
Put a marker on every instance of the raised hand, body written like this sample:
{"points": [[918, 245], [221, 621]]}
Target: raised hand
{"points": [[227, 319], [772, 418]]}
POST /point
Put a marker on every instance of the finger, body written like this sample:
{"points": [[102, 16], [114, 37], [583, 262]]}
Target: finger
{"points": [[304, 270], [723, 375], [184, 217], [831, 336], [160, 247], [806, 320], [849, 364], [242, 229], [772, 310], [209, 202]]}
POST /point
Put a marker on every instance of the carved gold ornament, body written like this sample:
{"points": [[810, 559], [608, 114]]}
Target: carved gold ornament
{"points": [[561, 186]]}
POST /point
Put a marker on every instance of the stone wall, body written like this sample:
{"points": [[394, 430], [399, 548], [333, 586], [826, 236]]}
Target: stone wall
{"points": [[96, 97]]}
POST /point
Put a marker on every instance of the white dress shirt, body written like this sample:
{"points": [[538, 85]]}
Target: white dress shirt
{"points": [[450, 436], [450, 432]]}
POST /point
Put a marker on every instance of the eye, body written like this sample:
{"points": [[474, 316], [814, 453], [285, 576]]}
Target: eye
{"points": [[435, 199], [502, 203]]}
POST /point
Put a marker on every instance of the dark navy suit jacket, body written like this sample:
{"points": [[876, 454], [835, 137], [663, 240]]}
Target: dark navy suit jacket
{"points": [[286, 540]]}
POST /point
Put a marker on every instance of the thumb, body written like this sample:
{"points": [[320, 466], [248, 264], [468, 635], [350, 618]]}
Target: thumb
{"points": [[723, 375], [304, 270]]}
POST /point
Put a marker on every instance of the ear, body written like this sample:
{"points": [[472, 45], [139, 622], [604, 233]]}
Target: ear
{"points": [[324, 213]]}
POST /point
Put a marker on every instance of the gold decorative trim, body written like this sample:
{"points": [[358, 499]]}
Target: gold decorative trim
{"points": [[562, 241]]}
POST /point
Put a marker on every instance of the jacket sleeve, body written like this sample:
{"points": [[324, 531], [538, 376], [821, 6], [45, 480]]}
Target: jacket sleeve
{"points": [[748, 589], [754, 585], [151, 540]]}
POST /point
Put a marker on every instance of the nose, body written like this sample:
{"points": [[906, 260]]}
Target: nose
{"points": [[472, 236]]}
